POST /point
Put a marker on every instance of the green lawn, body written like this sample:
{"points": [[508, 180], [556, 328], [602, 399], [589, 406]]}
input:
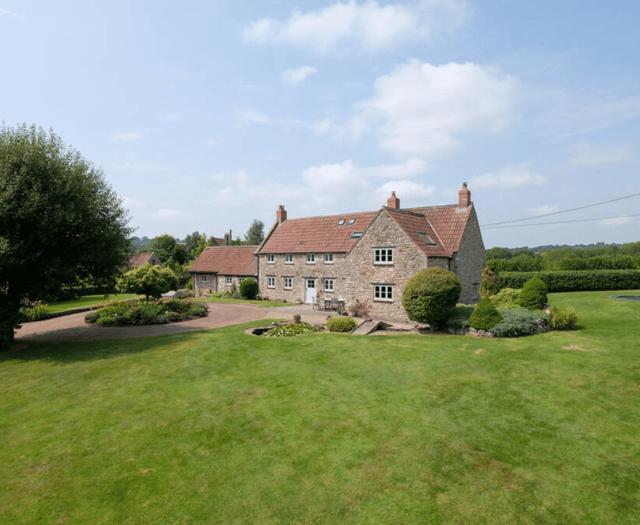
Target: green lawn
{"points": [[259, 304], [223, 427], [86, 301]]}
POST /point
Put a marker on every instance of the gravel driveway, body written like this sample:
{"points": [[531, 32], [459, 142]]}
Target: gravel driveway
{"points": [[72, 328]]}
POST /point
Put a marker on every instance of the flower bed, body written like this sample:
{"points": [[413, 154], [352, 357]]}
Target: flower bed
{"points": [[125, 313]]}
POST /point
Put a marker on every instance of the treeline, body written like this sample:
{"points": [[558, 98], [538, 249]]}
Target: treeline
{"points": [[602, 267]]}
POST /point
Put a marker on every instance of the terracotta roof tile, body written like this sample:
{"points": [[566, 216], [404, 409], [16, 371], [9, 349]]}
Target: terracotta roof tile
{"points": [[139, 259], [318, 234], [449, 222], [227, 260]]}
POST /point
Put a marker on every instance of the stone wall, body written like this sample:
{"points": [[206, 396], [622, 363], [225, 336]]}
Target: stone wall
{"points": [[216, 283], [299, 271], [408, 259], [468, 261]]}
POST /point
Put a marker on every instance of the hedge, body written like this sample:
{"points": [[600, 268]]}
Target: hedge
{"points": [[542, 264], [577, 281]]}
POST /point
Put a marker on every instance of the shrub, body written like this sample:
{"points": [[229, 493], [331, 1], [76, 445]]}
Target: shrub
{"points": [[578, 281], [516, 323], [563, 318], [491, 283], [459, 319], [484, 316], [106, 321], [249, 289], [360, 309], [341, 324], [533, 295], [431, 295], [296, 318], [34, 311], [506, 299], [151, 281], [92, 317], [290, 330]]}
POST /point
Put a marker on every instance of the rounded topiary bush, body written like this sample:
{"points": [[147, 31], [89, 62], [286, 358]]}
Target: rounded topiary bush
{"points": [[533, 295], [249, 289], [506, 299], [485, 316], [431, 295], [341, 324]]}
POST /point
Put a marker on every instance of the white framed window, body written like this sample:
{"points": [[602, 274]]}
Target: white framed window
{"points": [[240, 279], [288, 258], [229, 281], [203, 278], [328, 258], [356, 235], [340, 222], [271, 281], [271, 258], [382, 292], [328, 285], [287, 281], [351, 221], [383, 256], [311, 258]]}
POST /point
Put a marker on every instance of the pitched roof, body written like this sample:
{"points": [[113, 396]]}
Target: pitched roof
{"points": [[140, 259], [317, 234], [449, 222], [227, 260], [420, 231]]}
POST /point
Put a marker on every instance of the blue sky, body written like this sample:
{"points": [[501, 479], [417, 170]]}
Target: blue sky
{"points": [[207, 114]]}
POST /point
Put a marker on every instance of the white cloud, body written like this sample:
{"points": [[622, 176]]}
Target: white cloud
{"points": [[407, 190], [420, 109], [252, 116], [366, 26], [134, 165], [335, 178], [617, 221], [509, 177], [130, 203], [169, 214], [299, 75], [127, 136], [590, 153], [545, 209]]}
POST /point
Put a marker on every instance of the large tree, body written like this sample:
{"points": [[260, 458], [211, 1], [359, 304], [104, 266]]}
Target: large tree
{"points": [[255, 233], [59, 221]]}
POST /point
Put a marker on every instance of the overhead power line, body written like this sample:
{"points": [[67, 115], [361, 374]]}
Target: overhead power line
{"points": [[561, 222], [559, 212]]}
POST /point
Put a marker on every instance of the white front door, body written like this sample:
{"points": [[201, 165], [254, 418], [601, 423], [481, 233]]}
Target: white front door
{"points": [[310, 288]]}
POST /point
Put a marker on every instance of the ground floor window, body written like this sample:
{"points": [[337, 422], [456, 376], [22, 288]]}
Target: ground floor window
{"points": [[328, 285], [287, 283], [271, 281], [203, 278], [229, 281], [383, 292]]}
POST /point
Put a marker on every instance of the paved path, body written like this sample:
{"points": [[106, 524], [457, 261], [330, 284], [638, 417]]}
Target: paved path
{"points": [[71, 328]]}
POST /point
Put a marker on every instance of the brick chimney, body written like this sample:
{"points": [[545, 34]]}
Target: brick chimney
{"points": [[281, 214], [464, 196], [393, 202]]}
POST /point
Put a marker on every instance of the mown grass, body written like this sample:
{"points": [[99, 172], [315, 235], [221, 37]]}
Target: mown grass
{"points": [[259, 304], [223, 427], [87, 301]]}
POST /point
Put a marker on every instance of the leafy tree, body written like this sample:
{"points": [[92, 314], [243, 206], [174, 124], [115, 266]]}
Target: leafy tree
{"points": [[497, 253], [151, 281], [533, 295], [164, 246], [192, 243], [255, 233], [60, 222], [431, 295], [491, 282]]}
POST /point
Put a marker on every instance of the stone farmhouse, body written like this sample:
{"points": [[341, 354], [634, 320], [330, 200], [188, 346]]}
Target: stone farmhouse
{"points": [[140, 259], [369, 256], [219, 268]]}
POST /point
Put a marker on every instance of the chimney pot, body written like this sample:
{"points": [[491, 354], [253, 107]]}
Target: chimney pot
{"points": [[281, 214], [464, 196], [393, 202]]}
